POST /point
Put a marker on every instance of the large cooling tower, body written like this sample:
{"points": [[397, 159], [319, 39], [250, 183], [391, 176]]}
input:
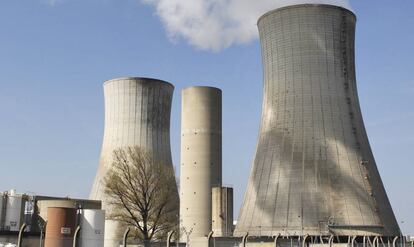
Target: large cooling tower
{"points": [[137, 113], [314, 172], [200, 158]]}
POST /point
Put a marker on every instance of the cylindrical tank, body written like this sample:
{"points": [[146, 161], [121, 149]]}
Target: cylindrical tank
{"points": [[14, 211], [314, 172], [60, 228], [43, 205], [137, 113], [201, 157], [92, 228]]}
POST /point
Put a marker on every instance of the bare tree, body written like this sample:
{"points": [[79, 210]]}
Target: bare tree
{"points": [[142, 193]]}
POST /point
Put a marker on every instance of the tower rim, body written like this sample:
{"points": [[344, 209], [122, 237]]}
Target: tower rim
{"points": [[202, 87], [304, 5], [138, 78]]}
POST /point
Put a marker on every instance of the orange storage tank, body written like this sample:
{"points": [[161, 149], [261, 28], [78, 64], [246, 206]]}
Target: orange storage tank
{"points": [[60, 227]]}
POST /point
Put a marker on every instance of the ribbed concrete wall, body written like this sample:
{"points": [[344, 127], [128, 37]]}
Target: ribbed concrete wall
{"points": [[314, 172], [137, 113], [200, 158]]}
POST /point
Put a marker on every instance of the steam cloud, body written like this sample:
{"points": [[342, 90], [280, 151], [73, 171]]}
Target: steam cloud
{"points": [[217, 24]]}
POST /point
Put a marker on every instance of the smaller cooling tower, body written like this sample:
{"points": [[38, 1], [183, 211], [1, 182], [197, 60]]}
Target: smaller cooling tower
{"points": [[200, 158], [60, 227], [137, 113]]}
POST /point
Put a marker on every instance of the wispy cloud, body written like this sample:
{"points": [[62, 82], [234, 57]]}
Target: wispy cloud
{"points": [[217, 24]]}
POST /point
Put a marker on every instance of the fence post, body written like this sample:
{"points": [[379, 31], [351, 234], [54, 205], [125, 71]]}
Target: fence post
{"points": [[304, 240], [276, 238], [19, 238], [75, 236], [244, 239], [169, 238], [353, 241], [394, 241], [331, 238], [209, 238], [126, 236]]}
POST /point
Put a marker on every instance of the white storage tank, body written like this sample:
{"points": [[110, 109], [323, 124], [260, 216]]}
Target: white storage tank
{"points": [[92, 228], [13, 211]]}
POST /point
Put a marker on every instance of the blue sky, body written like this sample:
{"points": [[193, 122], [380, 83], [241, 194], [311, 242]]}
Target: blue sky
{"points": [[54, 57]]}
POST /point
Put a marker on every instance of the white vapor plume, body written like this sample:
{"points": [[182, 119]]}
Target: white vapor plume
{"points": [[217, 24]]}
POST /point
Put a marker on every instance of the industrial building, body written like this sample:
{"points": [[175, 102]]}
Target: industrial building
{"points": [[32, 210], [314, 173], [137, 113]]}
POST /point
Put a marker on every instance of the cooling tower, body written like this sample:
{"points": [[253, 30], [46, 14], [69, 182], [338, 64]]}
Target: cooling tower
{"points": [[201, 158], [137, 113], [314, 172]]}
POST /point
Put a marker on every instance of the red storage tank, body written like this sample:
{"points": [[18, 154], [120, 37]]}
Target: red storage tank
{"points": [[60, 227]]}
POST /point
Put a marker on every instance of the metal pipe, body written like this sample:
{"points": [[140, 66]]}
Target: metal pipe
{"points": [[75, 236], [209, 238], [126, 236], [375, 242], [304, 240], [382, 241], [19, 238], [331, 238], [353, 240], [244, 239], [42, 232], [276, 238], [369, 241], [169, 238], [394, 241]]}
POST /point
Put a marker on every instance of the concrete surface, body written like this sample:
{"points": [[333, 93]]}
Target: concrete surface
{"points": [[201, 157], [314, 172], [137, 113]]}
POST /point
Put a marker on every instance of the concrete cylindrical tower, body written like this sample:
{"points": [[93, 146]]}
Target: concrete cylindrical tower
{"points": [[200, 158], [222, 211], [314, 172], [137, 113], [60, 227]]}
